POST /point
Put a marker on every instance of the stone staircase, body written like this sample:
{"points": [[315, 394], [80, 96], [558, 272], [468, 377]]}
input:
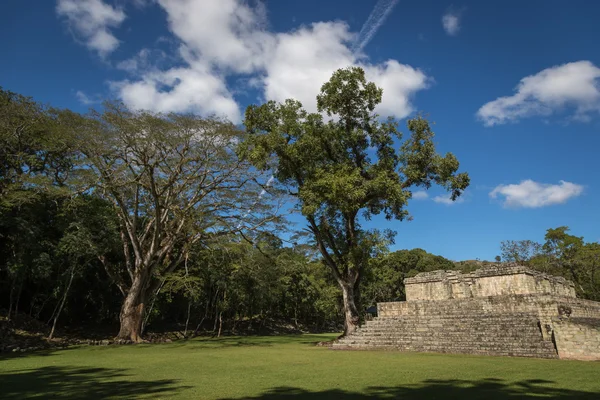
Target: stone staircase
{"points": [[450, 330]]}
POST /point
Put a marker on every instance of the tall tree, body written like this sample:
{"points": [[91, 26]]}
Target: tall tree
{"points": [[336, 177], [174, 181]]}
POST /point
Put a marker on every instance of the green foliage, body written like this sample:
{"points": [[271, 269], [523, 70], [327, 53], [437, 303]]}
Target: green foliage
{"points": [[243, 283], [35, 154], [91, 203], [561, 254], [336, 178], [384, 279], [519, 251]]}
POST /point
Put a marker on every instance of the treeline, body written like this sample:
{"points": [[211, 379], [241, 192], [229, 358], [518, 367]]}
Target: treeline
{"points": [[561, 254], [137, 220], [90, 205], [140, 218]]}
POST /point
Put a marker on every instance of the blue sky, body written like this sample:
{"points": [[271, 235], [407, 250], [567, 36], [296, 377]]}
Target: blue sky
{"points": [[513, 87]]}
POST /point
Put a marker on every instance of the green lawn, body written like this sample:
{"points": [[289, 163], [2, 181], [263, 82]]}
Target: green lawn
{"points": [[285, 367]]}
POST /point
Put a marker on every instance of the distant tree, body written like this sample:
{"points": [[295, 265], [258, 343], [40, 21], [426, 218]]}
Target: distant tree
{"points": [[561, 254], [519, 251], [336, 177], [498, 259], [570, 256], [384, 279]]}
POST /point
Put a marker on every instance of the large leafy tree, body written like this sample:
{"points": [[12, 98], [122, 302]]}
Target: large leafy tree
{"points": [[174, 181], [346, 169]]}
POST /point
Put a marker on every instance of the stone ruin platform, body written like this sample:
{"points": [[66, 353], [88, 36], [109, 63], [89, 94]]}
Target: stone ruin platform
{"points": [[504, 310]]}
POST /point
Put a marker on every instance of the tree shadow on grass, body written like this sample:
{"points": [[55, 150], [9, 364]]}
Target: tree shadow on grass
{"points": [[486, 389], [81, 383]]}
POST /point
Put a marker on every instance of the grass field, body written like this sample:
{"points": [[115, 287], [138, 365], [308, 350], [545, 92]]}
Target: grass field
{"points": [[285, 367]]}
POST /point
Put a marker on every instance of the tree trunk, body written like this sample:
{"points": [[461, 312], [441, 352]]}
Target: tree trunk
{"points": [[62, 303], [187, 321], [203, 318], [11, 297], [148, 313], [18, 297], [351, 317], [132, 311]]}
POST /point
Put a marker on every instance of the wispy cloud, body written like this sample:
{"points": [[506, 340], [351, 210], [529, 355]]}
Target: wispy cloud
{"points": [[420, 195], [90, 21], [447, 200], [382, 10], [451, 22], [85, 99], [575, 85], [220, 41], [530, 194]]}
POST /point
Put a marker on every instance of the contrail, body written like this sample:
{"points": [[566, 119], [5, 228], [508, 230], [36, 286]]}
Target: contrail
{"points": [[260, 196], [382, 9]]}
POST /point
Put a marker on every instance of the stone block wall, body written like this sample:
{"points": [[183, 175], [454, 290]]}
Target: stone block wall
{"points": [[546, 307], [577, 338], [493, 280], [496, 310]]}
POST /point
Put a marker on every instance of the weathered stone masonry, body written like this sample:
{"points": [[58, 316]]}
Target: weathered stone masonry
{"points": [[497, 310]]}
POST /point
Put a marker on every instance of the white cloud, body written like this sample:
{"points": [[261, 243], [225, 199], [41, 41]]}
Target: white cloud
{"points": [[530, 194], [447, 200], [304, 59], [227, 40], [575, 85], [91, 20], [420, 195], [227, 33], [144, 60], [195, 88], [399, 82], [451, 22], [85, 99]]}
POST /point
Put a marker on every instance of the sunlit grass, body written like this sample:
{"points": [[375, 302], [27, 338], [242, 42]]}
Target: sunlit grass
{"points": [[289, 367]]}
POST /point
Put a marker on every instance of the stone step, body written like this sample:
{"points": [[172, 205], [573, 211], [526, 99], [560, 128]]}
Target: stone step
{"points": [[468, 350], [470, 332], [456, 326], [454, 331], [449, 342], [460, 316], [443, 345], [455, 322], [449, 339], [452, 324], [540, 354], [451, 313]]}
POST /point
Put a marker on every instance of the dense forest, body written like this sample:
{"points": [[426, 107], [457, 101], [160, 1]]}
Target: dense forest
{"points": [[139, 221]]}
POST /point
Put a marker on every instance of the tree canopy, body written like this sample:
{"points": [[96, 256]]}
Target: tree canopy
{"points": [[347, 168]]}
